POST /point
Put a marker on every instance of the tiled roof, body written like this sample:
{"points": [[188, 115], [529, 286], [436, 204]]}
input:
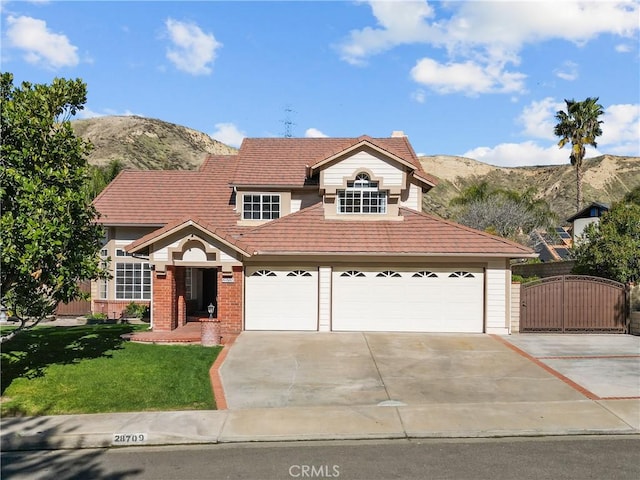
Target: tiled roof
{"points": [[308, 232], [152, 197], [283, 161], [222, 233]]}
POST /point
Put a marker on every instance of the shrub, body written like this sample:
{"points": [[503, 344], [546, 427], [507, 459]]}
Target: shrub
{"points": [[136, 310]]}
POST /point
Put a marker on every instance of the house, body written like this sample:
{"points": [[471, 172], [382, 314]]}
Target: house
{"points": [[589, 214], [552, 246], [318, 234]]}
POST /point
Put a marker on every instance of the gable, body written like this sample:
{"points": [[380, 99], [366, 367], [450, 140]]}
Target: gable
{"points": [[390, 175]]}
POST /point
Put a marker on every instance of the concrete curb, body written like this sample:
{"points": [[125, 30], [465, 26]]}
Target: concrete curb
{"points": [[583, 417]]}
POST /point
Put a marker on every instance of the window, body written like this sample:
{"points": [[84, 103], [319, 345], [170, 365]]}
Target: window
{"points": [[133, 281], [425, 273], [461, 275], [362, 196], [103, 284], [298, 273], [388, 274], [263, 273], [123, 253], [352, 273], [260, 207]]}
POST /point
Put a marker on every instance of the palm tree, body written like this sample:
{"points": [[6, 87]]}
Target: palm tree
{"points": [[580, 126]]}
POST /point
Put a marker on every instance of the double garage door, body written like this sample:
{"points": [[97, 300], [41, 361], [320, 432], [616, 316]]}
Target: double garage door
{"points": [[365, 299]]}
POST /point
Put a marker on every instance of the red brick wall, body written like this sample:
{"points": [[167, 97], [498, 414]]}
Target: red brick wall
{"points": [[165, 308], [179, 273], [114, 308], [230, 302]]}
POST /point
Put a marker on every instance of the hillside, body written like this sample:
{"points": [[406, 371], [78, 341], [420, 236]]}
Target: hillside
{"points": [[606, 179], [143, 143]]}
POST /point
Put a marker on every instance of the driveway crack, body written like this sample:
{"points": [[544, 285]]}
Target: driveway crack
{"points": [[366, 340]]}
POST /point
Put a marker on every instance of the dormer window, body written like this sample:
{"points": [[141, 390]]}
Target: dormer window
{"points": [[260, 207], [362, 196]]}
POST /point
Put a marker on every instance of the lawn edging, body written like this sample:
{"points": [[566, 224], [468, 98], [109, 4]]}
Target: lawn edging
{"points": [[214, 375]]}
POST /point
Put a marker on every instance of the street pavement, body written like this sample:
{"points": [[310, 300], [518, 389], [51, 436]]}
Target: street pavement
{"points": [[283, 386]]}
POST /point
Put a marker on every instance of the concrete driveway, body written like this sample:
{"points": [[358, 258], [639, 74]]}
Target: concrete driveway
{"points": [[291, 369], [603, 366]]}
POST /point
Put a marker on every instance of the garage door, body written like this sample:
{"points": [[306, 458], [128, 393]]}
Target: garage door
{"points": [[281, 299], [426, 300]]}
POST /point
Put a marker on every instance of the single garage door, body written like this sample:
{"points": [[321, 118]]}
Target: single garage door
{"points": [[419, 300], [281, 299]]}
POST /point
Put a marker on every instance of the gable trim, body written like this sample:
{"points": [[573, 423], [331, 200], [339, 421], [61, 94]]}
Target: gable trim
{"points": [[156, 236], [357, 146]]}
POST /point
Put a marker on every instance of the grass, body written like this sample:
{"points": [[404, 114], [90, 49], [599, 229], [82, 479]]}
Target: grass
{"points": [[90, 369]]}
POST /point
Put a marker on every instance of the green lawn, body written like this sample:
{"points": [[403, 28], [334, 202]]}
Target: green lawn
{"points": [[90, 369]]}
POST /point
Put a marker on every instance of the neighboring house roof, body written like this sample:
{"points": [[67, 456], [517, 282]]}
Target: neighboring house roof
{"points": [[284, 161], [155, 198], [308, 232], [553, 246], [594, 209]]}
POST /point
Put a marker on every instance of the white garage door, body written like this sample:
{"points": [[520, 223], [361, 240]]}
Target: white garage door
{"points": [[426, 300], [281, 299]]}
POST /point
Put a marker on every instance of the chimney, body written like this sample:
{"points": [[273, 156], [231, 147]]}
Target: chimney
{"points": [[397, 134]]}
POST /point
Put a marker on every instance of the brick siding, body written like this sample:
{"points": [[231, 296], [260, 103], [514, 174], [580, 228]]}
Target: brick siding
{"points": [[114, 308], [230, 301], [165, 307]]}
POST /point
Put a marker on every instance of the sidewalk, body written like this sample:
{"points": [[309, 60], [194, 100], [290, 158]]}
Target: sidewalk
{"points": [[472, 420]]}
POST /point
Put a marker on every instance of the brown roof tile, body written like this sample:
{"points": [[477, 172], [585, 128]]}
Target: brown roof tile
{"points": [[307, 232], [152, 197], [283, 161]]}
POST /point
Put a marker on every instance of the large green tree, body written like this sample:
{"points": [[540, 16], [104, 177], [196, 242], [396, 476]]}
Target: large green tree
{"points": [[48, 231], [611, 247], [579, 126]]}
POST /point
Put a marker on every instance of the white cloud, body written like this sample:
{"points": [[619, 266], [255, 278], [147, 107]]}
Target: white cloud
{"points": [[228, 134], [568, 71], [468, 77], [484, 37], [192, 50], [538, 118], [522, 154], [620, 136], [419, 96], [623, 48], [314, 133], [505, 24], [41, 46], [88, 113], [621, 130]]}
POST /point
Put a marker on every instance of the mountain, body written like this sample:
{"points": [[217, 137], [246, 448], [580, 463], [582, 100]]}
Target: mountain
{"points": [[607, 179], [144, 143]]}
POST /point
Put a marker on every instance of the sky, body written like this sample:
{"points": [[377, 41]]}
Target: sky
{"points": [[476, 79]]}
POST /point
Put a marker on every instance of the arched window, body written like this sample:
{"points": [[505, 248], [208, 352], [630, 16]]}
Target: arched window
{"points": [[362, 196]]}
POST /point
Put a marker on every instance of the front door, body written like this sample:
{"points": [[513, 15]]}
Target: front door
{"points": [[210, 289]]}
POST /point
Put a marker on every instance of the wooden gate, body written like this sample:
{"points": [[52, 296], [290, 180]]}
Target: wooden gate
{"points": [[77, 307], [573, 304]]}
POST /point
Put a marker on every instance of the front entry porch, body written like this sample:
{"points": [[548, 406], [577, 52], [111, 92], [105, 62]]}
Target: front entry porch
{"points": [[181, 295]]}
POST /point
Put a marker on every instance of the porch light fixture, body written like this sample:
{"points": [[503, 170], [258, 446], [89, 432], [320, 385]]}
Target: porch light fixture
{"points": [[211, 309]]}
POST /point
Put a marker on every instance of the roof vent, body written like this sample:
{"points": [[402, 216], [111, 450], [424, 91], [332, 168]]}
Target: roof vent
{"points": [[397, 134]]}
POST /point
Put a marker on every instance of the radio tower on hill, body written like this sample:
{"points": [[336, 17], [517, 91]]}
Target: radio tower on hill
{"points": [[288, 122]]}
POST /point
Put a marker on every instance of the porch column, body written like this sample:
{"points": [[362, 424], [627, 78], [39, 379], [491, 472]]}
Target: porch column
{"points": [[230, 288], [181, 304], [164, 306]]}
